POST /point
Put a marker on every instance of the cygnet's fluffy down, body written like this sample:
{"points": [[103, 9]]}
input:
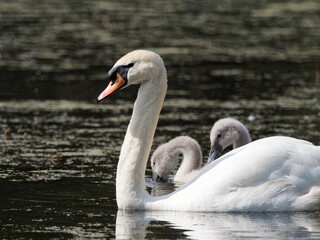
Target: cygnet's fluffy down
{"points": [[225, 132], [166, 157]]}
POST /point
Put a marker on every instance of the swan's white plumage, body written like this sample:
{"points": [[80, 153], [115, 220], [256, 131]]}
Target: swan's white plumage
{"points": [[271, 174]]}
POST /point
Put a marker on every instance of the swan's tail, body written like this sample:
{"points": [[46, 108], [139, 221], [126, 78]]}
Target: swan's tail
{"points": [[310, 200]]}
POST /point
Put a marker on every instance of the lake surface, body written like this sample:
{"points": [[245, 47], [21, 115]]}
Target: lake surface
{"points": [[257, 61]]}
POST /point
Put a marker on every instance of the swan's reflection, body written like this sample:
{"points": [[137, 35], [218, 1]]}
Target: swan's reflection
{"points": [[160, 188], [133, 225]]}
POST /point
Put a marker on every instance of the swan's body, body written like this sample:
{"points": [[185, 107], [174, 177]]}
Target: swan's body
{"points": [[271, 174], [225, 132], [165, 158]]}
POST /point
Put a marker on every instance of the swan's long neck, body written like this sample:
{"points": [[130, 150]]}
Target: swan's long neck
{"points": [[130, 182]]}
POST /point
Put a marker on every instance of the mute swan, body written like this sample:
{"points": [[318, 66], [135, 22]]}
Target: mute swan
{"points": [[270, 174], [224, 132], [165, 158]]}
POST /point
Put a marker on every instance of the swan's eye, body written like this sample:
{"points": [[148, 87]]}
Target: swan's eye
{"points": [[129, 65], [219, 135], [122, 70]]}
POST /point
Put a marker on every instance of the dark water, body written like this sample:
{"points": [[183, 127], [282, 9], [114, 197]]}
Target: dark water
{"points": [[257, 61]]}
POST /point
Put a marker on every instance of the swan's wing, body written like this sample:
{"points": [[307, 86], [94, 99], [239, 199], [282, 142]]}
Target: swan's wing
{"points": [[266, 174], [268, 159]]}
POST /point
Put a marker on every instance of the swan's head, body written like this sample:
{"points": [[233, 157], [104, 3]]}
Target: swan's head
{"points": [[162, 162], [224, 133], [135, 67]]}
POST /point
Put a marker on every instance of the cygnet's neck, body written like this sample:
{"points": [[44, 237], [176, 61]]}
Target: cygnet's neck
{"points": [[191, 155], [130, 182], [244, 137]]}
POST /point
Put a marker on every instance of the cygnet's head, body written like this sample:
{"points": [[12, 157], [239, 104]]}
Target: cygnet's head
{"points": [[166, 157], [225, 132], [163, 161], [135, 67]]}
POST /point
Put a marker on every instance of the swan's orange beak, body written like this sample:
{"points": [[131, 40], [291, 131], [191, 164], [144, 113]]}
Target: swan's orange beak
{"points": [[112, 87]]}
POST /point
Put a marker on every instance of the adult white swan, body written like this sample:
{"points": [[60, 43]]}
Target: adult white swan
{"points": [[271, 174], [224, 132]]}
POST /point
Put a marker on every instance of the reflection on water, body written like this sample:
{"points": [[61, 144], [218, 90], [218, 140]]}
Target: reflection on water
{"points": [[138, 225], [159, 188], [256, 61]]}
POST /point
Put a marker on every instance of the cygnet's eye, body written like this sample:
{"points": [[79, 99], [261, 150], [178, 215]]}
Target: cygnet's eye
{"points": [[219, 135]]}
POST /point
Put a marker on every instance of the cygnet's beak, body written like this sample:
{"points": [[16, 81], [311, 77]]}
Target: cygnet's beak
{"points": [[214, 151], [156, 177], [114, 85]]}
